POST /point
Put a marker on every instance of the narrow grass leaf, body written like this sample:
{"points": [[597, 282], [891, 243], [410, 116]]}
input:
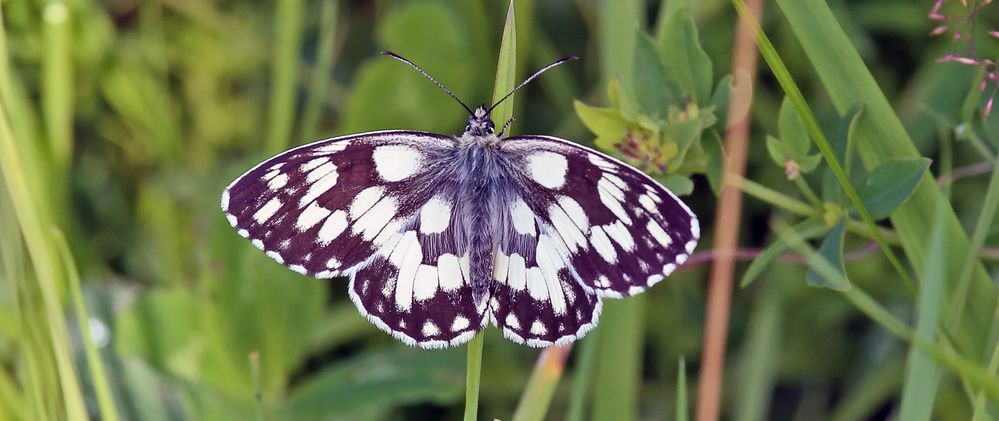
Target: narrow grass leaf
{"points": [[537, 395], [890, 184], [284, 73], [620, 360], [617, 25], [57, 82], [582, 378], [98, 375], [880, 136], [319, 85], [681, 391], [761, 353], [790, 88], [807, 229], [922, 373], [831, 250]]}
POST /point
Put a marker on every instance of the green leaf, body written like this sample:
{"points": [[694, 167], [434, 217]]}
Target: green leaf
{"points": [[809, 163], [381, 378], [890, 184], [808, 229], [654, 91], [678, 184], [831, 250], [715, 153], [922, 374], [603, 122], [686, 62], [777, 150], [792, 131], [506, 69]]}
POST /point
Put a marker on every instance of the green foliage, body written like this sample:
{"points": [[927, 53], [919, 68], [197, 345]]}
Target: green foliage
{"points": [[121, 123]]}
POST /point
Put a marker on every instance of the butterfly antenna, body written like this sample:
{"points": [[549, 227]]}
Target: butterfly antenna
{"points": [[418, 69], [534, 76]]}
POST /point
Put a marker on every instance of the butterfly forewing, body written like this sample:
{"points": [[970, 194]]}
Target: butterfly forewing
{"points": [[377, 207]]}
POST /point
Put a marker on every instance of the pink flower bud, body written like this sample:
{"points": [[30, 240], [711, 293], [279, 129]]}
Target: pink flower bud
{"points": [[967, 60], [988, 107], [938, 30], [936, 7], [994, 34], [947, 58], [982, 84]]}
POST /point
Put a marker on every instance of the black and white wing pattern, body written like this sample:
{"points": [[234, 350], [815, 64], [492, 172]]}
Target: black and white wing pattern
{"points": [[377, 207], [582, 226]]}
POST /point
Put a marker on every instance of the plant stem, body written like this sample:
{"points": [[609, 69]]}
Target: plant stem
{"points": [[472, 375], [807, 191], [586, 361], [537, 395], [709, 388]]}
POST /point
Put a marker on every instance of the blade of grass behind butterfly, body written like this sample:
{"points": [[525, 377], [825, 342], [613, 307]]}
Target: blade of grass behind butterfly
{"points": [[881, 136], [284, 74], [318, 86], [616, 385], [40, 250], [506, 70], [544, 379]]}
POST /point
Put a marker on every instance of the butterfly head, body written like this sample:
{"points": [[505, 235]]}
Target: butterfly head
{"points": [[479, 123]]}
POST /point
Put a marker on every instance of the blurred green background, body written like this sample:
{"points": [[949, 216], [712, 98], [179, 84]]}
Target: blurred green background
{"points": [[129, 118]]}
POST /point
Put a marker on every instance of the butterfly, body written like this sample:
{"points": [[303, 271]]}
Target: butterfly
{"points": [[441, 236]]}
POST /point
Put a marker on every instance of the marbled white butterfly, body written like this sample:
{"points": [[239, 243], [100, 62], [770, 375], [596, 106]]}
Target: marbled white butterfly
{"points": [[442, 235]]}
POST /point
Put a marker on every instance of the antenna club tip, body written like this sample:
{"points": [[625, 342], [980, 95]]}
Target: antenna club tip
{"points": [[388, 53]]}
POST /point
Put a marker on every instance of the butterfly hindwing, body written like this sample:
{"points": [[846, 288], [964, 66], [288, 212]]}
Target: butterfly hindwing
{"points": [[375, 207]]}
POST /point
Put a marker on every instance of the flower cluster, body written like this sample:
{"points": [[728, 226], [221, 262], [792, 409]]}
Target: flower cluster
{"points": [[963, 30]]}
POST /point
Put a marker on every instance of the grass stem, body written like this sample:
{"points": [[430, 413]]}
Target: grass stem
{"points": [[472, 375]]}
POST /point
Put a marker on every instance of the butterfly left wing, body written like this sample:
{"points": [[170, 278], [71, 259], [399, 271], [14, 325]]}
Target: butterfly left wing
{"points": [[376, 207], [585, 226]]}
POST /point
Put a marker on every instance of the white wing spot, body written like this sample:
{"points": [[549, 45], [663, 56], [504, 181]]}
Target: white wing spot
{"points": [[257, 243], [654, 279], [322, 179], [396, 162], [500, 266], [298, 268], [425, 285], [517, 273], [511, 320], [407, 273], [575, 212], [277, 182], [669, 268], [536, 285], [333, 227], [448, 272], [333, 263], [548, 169], [648, 203], [460, 323], [657, 232], [435, 216], [620, 234], [522, 218], [430, 329], [333, 147], [566, 229], [365, 200], [313, 163], [267, 211], [617, 181], [690, 246], [311, 216], [372, 222], [612, 196], [274, 255], [537, 328], [225, 200], [602, 244]]}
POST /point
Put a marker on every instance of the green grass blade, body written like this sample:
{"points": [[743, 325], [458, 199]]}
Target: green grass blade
{"points": [[473, 374], [506, 71], [284, 74], [317, 95], [762, 354], [619, 366], [881, 136], [537, 396], [969, 371], [57, 85], [97, 373], [922, 374], [790, 88], [681, 391], [582, 378], [978, 236]]}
